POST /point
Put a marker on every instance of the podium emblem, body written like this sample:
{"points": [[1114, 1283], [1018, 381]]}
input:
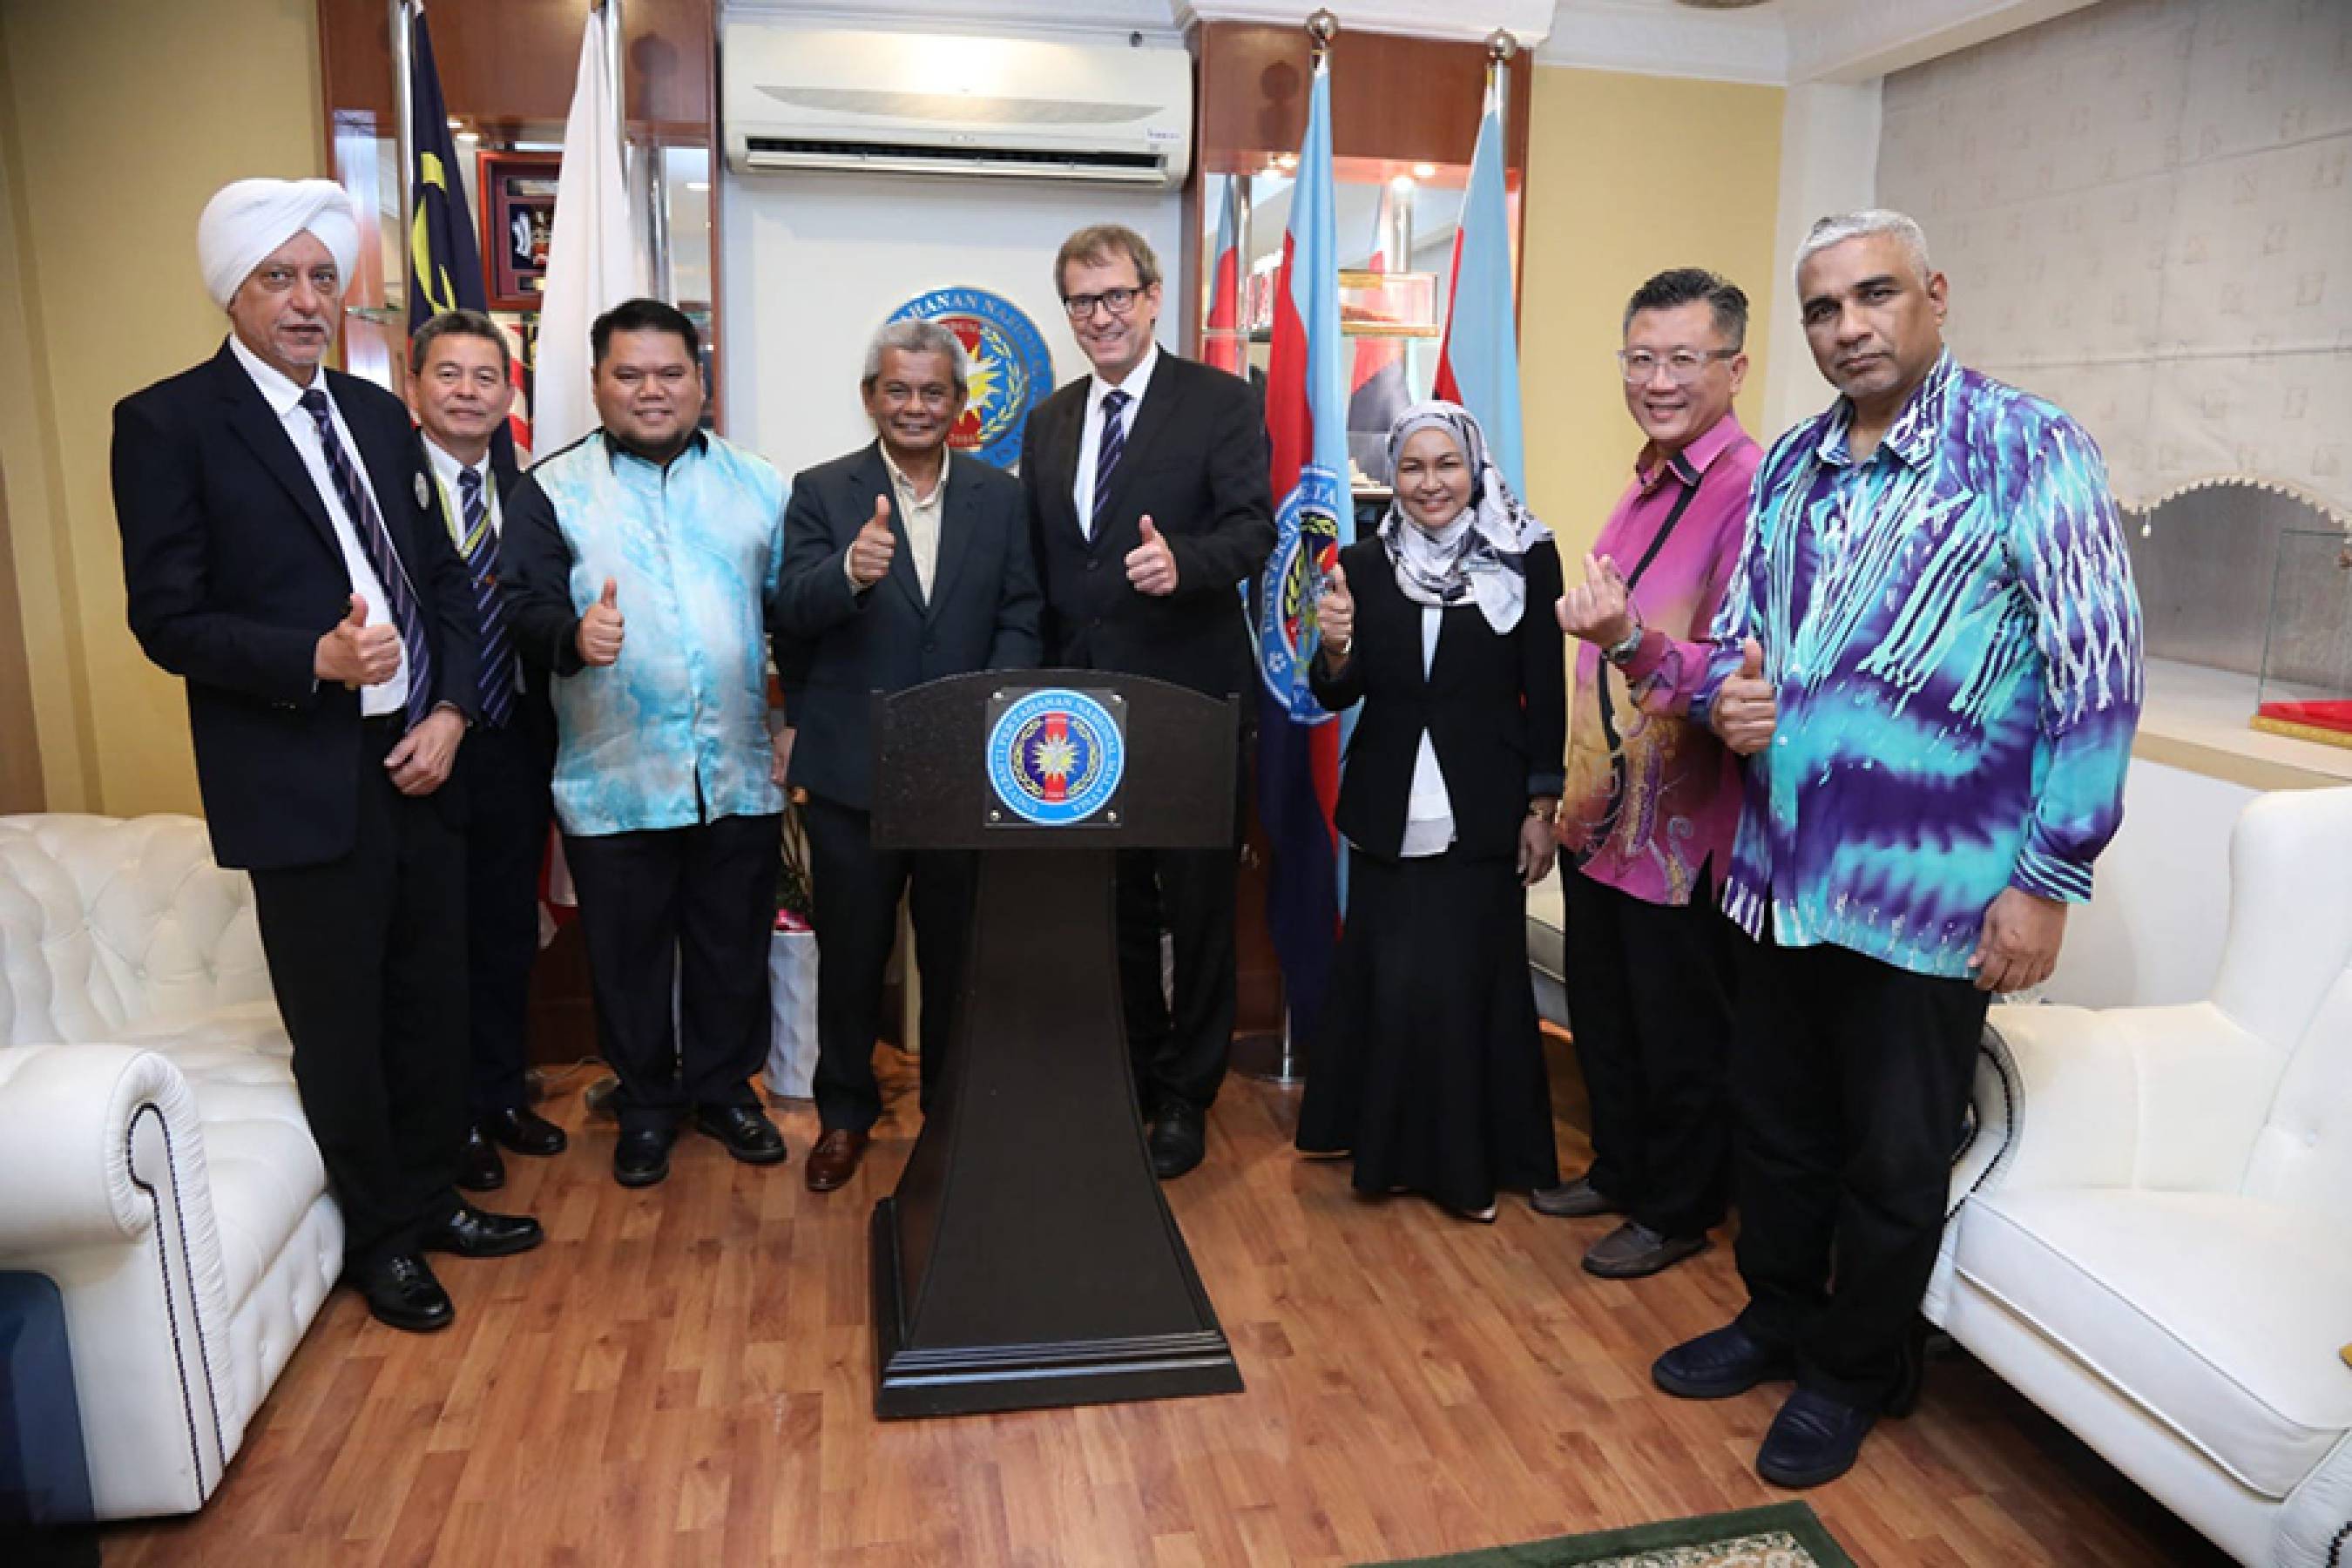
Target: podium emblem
{"points": [[1056, 757]]}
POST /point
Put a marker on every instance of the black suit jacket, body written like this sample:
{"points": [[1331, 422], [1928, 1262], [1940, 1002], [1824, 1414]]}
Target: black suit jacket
{"points": [[836, 645], [1496, 708], [233, 574], [1195, 462]]}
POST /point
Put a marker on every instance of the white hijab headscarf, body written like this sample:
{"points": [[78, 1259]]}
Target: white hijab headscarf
{"points": [[1485, 562], [247, 220]]}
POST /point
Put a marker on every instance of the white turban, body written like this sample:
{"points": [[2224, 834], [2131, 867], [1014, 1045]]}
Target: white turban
{"points": [[247, 220]]}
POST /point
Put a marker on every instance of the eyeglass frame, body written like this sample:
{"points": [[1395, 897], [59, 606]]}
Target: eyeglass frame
{"points": [[1080, 307], [1706, 357]]}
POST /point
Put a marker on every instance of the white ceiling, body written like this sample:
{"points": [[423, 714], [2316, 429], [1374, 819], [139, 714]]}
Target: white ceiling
{"points": [[1779, 43]]}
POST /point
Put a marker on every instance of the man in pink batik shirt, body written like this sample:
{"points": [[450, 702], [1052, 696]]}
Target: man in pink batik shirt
{"points": [[1653, 798]]}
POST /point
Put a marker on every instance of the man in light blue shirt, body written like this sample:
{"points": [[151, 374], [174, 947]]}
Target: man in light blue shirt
{"points": [[643, 559]]}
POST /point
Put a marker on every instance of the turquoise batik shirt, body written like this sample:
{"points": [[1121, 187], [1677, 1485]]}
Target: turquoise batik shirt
{"points": [[674, 732], [1953, 639]]}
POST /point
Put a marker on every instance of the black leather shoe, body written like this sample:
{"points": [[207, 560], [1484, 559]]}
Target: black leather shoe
{"points": [[642, 1158], [1719, 1364], [1814, 1440], [402, 1292], [1178, 1139], [526, 1133], [479, 1169], [478, 1233], [748, 1133]]}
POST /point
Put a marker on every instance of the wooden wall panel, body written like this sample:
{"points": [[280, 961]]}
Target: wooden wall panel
{"points": [[1394, 101], [509, 65]]}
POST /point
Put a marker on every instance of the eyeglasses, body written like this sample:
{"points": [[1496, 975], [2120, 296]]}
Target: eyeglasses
{"points": [[1118, 301], [1682, 366]]}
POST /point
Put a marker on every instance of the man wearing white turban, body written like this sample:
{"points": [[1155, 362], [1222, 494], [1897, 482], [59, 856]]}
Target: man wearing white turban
{"points": [[284, 552]]}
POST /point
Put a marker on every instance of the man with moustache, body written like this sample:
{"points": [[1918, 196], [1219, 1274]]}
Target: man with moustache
{"points": [[903, 564], [643, 560], [459, 389], [284, 552], [1930, 657], [1652, 796], [1148, 505]]}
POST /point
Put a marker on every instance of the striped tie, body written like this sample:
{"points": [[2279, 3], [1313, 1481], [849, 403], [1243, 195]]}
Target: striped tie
{"points": [[480, 548], [1114, 442], [358, 505]]}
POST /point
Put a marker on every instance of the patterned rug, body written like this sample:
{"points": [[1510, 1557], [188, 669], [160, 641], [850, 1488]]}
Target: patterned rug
{"points": [[1785, 1535]]}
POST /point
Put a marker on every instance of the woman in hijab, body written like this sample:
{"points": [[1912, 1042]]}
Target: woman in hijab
{"points": [[1429, 1069]]}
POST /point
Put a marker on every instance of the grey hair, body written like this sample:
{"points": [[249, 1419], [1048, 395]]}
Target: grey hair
{"points": [[913, 335], [1843, 227]]}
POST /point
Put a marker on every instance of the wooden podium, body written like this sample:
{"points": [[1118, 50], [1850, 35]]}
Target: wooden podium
{"points": [[1027, 1257]]}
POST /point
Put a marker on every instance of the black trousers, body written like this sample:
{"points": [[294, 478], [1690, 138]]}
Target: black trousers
{"points": [[506, 774], [367, 956], [1649, 1000], [1849, 1083], [857, 888], [1179, 1052], [677, 922]]}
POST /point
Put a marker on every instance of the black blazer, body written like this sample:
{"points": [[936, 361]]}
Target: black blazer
{"points": [[233, 573], [1195, 462], [836, 645], [1496, 708]]}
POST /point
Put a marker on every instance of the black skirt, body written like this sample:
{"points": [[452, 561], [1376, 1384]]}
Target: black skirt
{"points": [[1429, 1064]]}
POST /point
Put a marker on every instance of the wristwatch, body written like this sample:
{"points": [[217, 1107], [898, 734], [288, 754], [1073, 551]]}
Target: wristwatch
{"points": [[1629, 645]]}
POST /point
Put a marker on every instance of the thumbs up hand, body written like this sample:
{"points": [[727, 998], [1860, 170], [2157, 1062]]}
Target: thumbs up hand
{"points": [[355, 653], [601, 629], [1745, 709], [870, 551], [1335, 612], [1598, 609], [1151, 565]]}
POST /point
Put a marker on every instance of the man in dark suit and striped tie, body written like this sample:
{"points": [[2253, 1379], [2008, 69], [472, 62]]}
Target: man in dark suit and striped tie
{"points": [[284, 552], [460, 390], [1147, 507]]}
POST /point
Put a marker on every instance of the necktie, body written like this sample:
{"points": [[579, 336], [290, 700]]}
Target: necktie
{"points": [[375, 541], [480, 548], [1114, 442]]}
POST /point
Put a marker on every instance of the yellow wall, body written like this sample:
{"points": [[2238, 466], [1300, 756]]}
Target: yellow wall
{"points": [[117, 120], [1627, 177]]}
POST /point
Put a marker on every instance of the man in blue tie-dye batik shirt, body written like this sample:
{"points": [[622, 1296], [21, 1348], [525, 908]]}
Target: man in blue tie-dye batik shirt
{"points": [[1930, 661]]}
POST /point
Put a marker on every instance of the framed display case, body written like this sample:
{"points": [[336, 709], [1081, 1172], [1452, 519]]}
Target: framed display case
{"points": [[2307, 675], [518, 203]]}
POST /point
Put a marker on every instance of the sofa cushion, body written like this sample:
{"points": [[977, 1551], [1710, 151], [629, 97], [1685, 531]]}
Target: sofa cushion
{"points": [[2217, 1314]]}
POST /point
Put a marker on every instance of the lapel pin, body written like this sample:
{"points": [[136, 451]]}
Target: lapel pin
{"points": [[424, 494]]}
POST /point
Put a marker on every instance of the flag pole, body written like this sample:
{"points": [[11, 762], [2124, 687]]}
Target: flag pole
{"points": [[1274, 1057], [404, 138]]}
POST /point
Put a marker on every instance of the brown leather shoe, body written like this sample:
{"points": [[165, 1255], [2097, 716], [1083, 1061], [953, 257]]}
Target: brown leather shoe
{"points": [[835, 1159]]}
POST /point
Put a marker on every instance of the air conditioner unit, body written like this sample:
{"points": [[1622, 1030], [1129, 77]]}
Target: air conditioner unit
{"points": [[914, 103]]}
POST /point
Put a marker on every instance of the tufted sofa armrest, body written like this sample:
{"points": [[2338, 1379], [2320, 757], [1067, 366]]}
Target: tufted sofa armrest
{"points": [[65, 1115], [2163, 1098]]}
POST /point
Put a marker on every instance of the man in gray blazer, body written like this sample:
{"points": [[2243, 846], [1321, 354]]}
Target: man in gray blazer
{"points": [[902, 564]]}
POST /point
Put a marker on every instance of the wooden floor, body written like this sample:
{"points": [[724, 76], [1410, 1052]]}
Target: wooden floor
{"points": [[681, 1375]]}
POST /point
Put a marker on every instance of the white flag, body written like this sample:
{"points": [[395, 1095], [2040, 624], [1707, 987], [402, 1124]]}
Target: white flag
{"points": [[592, 258]]}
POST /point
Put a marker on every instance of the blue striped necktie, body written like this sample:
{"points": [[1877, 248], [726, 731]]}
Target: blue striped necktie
{"points": [[479, 546], [375, 541], [1114, 442]]}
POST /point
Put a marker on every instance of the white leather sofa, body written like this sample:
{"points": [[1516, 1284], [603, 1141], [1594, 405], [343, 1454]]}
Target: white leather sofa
{"points": [[154, 1161], [2152, 1231]]}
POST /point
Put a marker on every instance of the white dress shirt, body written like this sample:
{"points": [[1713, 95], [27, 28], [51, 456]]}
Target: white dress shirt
{"points": [[920, 515], [1138, 382], [446, 469], [1429, 810], [285, 400]]}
